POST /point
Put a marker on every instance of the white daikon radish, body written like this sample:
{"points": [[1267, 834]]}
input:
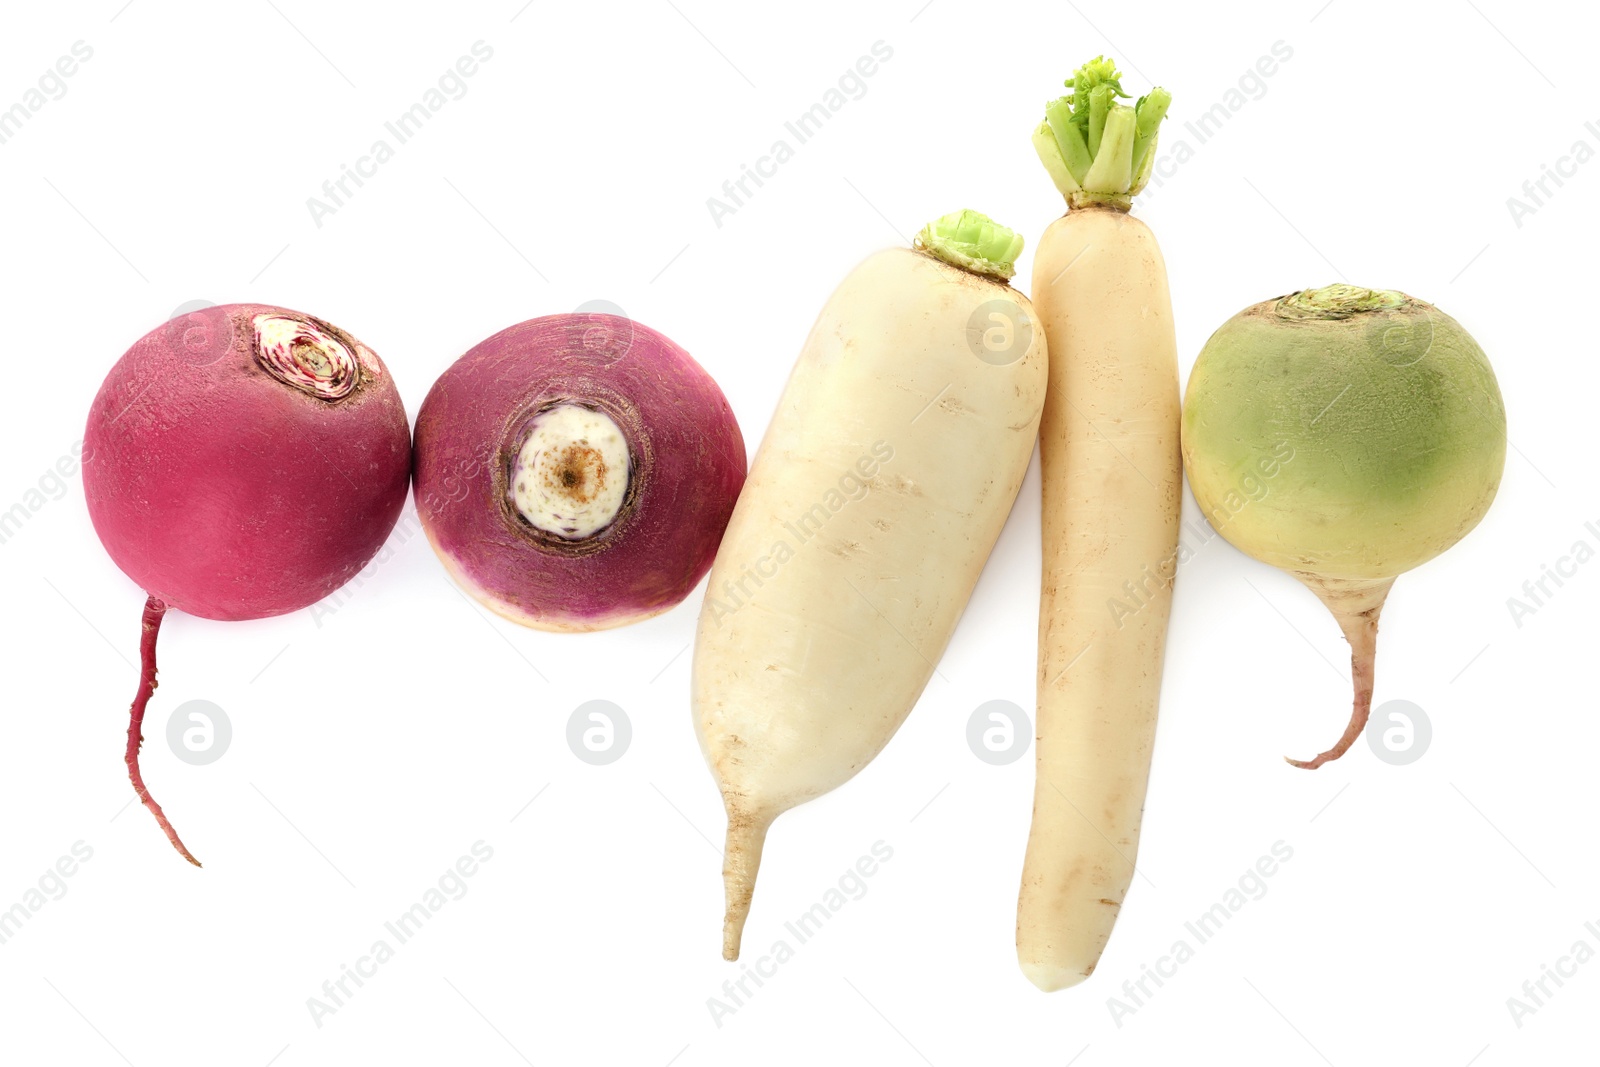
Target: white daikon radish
{"points": [[891, 464]]}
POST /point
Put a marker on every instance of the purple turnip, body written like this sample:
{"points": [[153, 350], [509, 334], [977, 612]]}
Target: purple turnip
{"points": [[241, 461], [575, 472]]}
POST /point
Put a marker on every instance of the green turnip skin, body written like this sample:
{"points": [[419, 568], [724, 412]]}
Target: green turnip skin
{"points": [[1396, 431]]}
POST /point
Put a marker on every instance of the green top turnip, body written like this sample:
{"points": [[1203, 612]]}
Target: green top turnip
{"points": [[1344, 435]]}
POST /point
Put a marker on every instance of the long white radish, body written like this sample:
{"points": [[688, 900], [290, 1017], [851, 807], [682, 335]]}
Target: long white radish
{"points": [[871, 506], [1112, 487]]}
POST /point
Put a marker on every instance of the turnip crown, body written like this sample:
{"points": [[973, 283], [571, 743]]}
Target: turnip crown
{"points": [[311, 355]]}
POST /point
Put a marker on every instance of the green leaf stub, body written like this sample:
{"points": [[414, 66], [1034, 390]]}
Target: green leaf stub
{"points": [[972, 241]]}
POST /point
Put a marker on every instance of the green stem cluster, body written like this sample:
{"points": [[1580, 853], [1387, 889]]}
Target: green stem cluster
{"points": [[972, 241], [1095, 149]]}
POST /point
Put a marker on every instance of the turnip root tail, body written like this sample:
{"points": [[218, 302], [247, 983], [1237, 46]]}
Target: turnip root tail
{"points": [[1356, 604], [154, 610], [741, 860]]}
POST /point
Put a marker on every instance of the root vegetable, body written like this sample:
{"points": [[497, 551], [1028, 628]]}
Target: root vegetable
{"points": [[1396, 429], [1112, 484], [240, 462], [890, 466], [575, 472]]}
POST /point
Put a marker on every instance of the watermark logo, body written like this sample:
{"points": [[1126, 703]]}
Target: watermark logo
{"points": [[1251, 885], [850, 85], [199, 732], [200, 332], [50, 886], [1537, 592], [599, 732], [50, 486], [451, 885], [451, 85], [999, 732], [609, 333], [999, 332], [1250, 487], [404, 530], [1251, 85], [1537, 992], [1398, 337], [1399, 732], [855, 483], [851, 885], [51, 85], [1537, 192]]}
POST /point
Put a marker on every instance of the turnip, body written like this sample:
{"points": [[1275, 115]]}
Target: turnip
{"points": [[575, 472], [889, 468], [1112, 484], [241, 461], [1395, 437]]}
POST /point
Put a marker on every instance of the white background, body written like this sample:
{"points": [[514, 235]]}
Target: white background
{"points": [[375, 743]]}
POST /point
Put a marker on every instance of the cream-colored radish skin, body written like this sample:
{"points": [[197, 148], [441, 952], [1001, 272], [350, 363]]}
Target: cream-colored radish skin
{"points": [[1112, 484], [869, 511], [1111, 473]]}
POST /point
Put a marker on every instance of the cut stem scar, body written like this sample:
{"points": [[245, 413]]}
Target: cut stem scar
{"points": [[570, 477], [154, 610]]}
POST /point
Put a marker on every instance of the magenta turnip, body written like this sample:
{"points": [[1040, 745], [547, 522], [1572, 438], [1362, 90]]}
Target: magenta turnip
{"points": [[575, 472], [241, 461]]}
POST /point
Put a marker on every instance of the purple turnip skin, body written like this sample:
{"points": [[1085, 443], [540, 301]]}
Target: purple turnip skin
{"points": [[239, 462], [229, 493], [684, 466]]}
